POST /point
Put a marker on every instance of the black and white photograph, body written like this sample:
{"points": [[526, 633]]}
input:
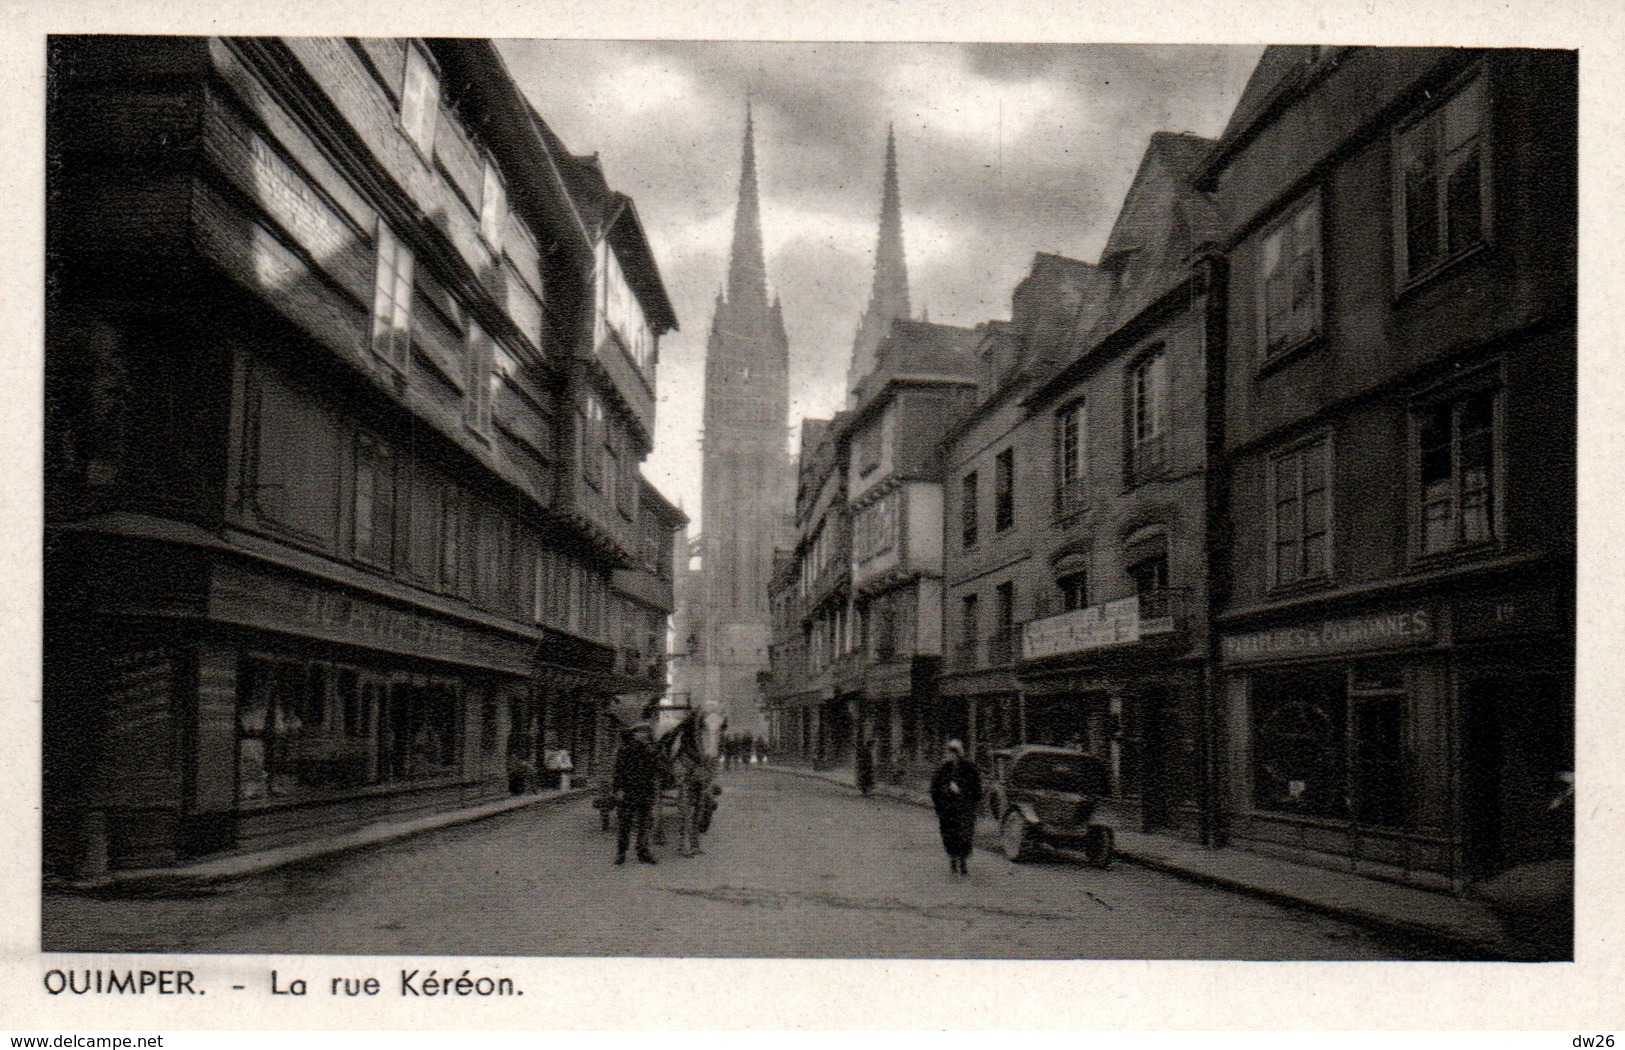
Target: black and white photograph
{"points": [[518, 498]]}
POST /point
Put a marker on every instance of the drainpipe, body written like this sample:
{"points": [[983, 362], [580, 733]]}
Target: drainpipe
{"points": [[1213, 279]]}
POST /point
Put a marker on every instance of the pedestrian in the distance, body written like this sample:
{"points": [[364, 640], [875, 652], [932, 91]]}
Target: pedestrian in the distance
{"points": [[956, 791], [639, 768], [866, 767]]}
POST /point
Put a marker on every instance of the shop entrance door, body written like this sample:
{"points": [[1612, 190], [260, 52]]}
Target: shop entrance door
{"points": [[1153, 748], [1518, 736]]}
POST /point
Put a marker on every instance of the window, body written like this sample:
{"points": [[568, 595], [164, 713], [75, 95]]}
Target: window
{"points": [[1150, 576], [1071, 455], [968, 631], [1289, 278], [1442, 184], [451, 541], [420, 99], [493, 207], [967, 510], [309, 728], [372, 517], [1456, 460], [1001, 647], [591, 441], [1004, 490], [484, 377], [1147, 412], [1300, 486], [868, 445], [1330, 743], [1074, 589], [392, 300]]}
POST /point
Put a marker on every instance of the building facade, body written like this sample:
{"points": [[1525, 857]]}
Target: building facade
{"points": [[1115, 658], [332, 362], [923, 381], [1396, 668]]}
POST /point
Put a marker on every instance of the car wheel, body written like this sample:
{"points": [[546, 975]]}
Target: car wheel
{"points": [[1013, 836], [1097, 847]]}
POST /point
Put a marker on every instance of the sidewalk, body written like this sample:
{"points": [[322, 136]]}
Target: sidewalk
{"points": [[144, 881], [1464, 927]]}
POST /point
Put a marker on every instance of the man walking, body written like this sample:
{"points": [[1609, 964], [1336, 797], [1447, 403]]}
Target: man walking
{"points": [[638, 771]]}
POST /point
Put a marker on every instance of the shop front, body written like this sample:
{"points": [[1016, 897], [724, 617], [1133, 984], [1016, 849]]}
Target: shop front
{"points": [[266, 707], [1106, 680], [1342, 741]]}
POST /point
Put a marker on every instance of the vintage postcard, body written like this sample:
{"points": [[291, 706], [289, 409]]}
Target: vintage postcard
{"points": [[910, 516]]}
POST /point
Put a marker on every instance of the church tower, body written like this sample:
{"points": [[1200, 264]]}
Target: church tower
{"points": [[888, 298], [745, 488]]}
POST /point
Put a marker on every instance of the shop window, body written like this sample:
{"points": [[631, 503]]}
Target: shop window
{"points": [[1456, 453], [1289, 279], [392, 300], [1442, 186], [303, 728], [1071, 455], [967, 510], [1004, 490], [1300, 494], [1330, 743]]}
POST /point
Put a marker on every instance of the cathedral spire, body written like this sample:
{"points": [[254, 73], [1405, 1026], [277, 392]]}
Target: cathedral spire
{"points": [[888, 297], [890, 292], [747, 273]]}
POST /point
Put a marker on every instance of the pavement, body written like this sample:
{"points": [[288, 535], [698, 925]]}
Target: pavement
{"points": [[1462, 926], [1459, 927], [181, 878], [792, 868]]}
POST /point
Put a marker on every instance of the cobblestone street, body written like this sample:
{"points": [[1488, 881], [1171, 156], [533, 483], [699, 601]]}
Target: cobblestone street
{"points": [[794, 868]]}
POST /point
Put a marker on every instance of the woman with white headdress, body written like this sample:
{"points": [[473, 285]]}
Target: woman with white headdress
{"points": [[956, 791]]}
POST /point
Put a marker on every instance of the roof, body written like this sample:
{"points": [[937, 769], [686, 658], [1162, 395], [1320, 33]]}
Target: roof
{"points": [[610, 215], [1282, 71]]}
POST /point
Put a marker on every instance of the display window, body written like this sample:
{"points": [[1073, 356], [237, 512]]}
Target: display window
{"points": [[1329, 742], [310, 727]]}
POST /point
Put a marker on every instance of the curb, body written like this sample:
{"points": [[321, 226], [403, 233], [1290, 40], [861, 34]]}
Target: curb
{"points": [[1473, 948], [157, 881]]}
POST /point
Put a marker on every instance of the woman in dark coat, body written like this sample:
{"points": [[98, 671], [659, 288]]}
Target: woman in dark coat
{"points": [[956, 791]]}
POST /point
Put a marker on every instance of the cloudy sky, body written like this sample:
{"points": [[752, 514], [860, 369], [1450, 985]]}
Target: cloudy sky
{"points": [[1003, 151]]}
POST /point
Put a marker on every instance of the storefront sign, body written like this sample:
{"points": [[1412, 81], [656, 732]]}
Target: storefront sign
{"points": [[1347, 635], [1114, 623], [340, 616]]}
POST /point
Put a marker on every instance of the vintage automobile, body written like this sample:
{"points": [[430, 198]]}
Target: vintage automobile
{"points": [[1052, 796]]}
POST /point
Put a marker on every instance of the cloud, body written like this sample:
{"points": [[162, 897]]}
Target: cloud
{"points": [[1004, 150]]}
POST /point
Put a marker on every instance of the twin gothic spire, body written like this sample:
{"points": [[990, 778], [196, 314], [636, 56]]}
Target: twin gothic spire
{"points": [[888, 295]]}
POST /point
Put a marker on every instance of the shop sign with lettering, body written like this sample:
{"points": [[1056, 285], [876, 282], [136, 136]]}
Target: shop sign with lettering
{"points": [[1113, 623], [1349, 634], [281, 604]]}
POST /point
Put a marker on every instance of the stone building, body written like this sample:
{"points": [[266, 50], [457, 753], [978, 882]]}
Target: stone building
{"points": [[1396, 669]]}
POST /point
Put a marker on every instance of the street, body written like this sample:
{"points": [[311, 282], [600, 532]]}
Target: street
{"points": [[794, 868]]}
